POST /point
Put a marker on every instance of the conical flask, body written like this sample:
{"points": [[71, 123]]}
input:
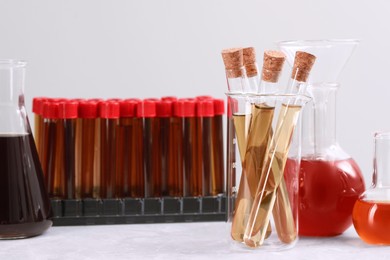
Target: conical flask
{"points": [[330, 181], [24, 203]]}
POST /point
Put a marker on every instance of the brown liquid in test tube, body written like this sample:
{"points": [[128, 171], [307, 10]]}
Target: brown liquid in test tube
{"points": [[217, 179], [183, 160], [147, 110], [165, 145], [126, 164], [50, 114], [109, 121], [88, 112], [205, 149], [175, 171], [68, 113], [137, 177]]}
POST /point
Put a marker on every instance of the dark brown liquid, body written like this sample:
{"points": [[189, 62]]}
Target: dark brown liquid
{"points": [[164, 143], [24, 205], [87, 157], [69, 157], [217, 178], [108, 157], [176, 174], [152, 156], [137, 169], [57, 186], [192, 169]]}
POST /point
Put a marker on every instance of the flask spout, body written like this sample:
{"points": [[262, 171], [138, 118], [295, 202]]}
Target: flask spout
{"points": [[332, 55]]}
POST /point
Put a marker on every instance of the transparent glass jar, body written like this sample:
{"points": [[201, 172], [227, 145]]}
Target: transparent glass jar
{"points": [[371, 213], [24, 203], [262, 193]]}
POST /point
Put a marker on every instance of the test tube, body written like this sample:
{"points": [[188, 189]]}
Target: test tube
{"points": [[88, 112], [109, 121], [137, 176], [205, 149], [147, 110], [164, 114], [126, 149], [50, 115], [186, 148], [217, 178], [68, 113]]}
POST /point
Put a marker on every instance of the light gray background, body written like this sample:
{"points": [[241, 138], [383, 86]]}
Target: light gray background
{"points": [[152, 48]]}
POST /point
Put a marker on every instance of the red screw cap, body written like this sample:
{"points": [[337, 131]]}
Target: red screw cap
{"points": [[50, 110], [205, 108], [68, 109], [184, 108], [128, 107], [219, 107], [164, 108], [88, 109], [146, 108], [203, 97], [109, 109], [38, 104]]}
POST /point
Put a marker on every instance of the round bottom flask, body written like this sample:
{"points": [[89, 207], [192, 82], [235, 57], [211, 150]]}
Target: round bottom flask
{"points": [[371, 213]]}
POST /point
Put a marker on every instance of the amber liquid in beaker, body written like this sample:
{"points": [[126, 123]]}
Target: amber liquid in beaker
{"points": [[21, 180]]}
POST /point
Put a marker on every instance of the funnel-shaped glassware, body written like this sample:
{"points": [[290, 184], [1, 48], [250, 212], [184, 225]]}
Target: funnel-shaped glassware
{"points": [[332, 55], [330, 180]]}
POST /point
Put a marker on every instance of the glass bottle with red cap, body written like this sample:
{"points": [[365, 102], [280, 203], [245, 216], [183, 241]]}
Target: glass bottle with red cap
{"points": [[24, 204], [109, 120]]}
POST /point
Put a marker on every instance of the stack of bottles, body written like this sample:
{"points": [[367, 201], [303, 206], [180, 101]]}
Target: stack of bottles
{"points": [[130, 148]]}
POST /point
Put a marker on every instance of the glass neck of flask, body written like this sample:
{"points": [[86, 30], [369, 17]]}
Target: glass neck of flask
{"points": [[12, 111], [323, 117], [381, 176]]}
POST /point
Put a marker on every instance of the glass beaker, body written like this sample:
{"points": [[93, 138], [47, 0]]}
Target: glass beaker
{"points": [[371, 213], [262, 196], [24, 203], [330, 181]]}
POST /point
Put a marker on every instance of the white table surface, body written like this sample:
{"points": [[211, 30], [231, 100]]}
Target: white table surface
{"points": [[175, 241]]}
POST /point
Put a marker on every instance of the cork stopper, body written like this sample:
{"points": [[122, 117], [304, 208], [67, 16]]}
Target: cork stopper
{"points": [[272, 65], [249, 58], [302, 65], [233, 60]]}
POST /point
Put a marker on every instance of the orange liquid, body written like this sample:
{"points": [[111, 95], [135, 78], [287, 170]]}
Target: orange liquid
{"points": [[372, 221]]}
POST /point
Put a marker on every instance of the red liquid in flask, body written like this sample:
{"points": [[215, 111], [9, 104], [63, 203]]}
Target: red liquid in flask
{"points": [[327, 193], [371, 220], [24, 205]]}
